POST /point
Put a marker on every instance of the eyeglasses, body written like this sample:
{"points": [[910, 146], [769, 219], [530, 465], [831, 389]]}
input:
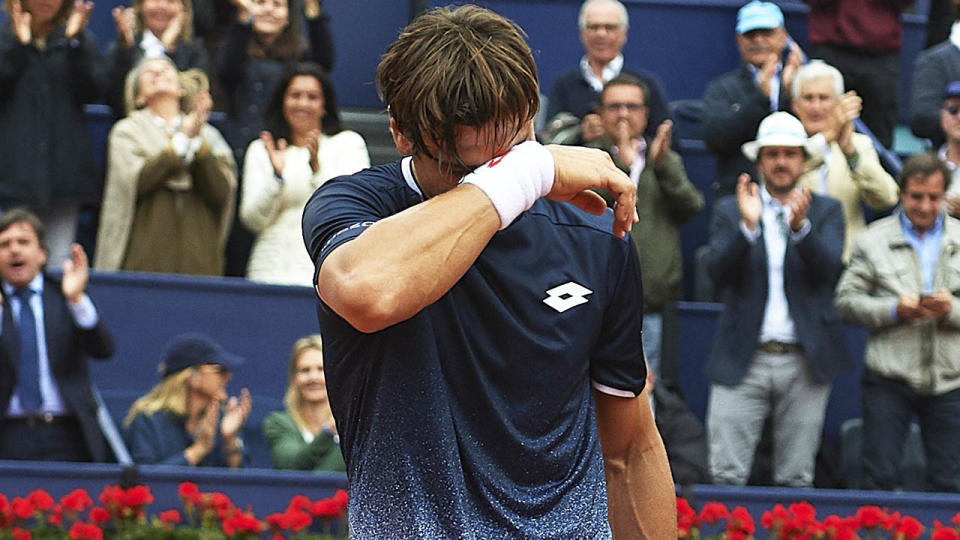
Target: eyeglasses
{"points": [[952, 110], [630, 107], [598, 27]]}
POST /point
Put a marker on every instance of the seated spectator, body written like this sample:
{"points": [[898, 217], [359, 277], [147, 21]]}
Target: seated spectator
{"points": [[683, 435], [933, 70], [299, 151], [304, 436], [844, 165], [950, 151], [572, 108], [49, 66], [665, 199], [150, 29], [734, 103], [902, 285], [179, 422], [264, 37], [171, 178]]}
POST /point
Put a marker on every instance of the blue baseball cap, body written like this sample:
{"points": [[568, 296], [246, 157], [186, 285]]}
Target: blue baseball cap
{"points": [[757, 15], [953, 90]]}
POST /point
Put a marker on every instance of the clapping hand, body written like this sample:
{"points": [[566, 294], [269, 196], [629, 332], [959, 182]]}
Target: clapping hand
{"points": [[198, 115], [661, 143], [794, 61], [172, 33], [76, 272], [798, 201], [124, 20], [235, 414], [313, 148], [20, 20], [78, 19], [591, 128], [244, 10], [626, 143], [749, 202], [275, 151]]}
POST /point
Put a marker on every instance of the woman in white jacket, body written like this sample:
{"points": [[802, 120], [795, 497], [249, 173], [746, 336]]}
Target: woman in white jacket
{"points": [[302, 147]]}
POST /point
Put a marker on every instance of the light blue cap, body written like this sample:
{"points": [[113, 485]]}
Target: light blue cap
{"points": [[756, 15]]}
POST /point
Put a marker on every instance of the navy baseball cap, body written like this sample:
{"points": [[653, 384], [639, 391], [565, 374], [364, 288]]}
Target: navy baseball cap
{"points": [[193, 349], [953, 90]]}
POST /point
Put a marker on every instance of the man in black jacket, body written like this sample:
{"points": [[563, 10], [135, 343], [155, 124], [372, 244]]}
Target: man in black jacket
{"points": [[48, 329], [736, 102]]}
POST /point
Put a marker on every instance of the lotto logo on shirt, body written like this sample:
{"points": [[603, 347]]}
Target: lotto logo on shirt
{"points": [[566, 296]]}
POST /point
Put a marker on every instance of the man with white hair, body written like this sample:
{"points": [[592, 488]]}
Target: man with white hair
{"points": [[775, 254], [576, 93], [844, 164]]}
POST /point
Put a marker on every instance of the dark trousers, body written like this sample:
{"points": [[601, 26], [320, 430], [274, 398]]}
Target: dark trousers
{"points": [[876, 78], [888, 407], [37, 440]]}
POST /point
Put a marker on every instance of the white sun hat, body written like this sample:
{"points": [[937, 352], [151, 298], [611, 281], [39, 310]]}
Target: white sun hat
{"points": [[778, 129]]}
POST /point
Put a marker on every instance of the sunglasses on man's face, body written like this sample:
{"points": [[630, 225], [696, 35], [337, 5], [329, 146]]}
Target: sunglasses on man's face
{"points": [[952, 110]]}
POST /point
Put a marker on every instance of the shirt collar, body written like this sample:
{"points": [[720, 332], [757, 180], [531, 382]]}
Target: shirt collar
{"points": [[609, 71], [36, 285], [955, 34], [908, 227]]}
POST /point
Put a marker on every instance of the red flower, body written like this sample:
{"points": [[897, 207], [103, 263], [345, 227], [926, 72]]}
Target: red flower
{"points": [[804, 512], [341, 497], [22, 508], [327, 509], [76, 501], [110, 497], [220, 501], [20, 534], [713, 511], [907, 528], [136, 497], [189, 493], [278, 521], [943, 533], [99, 515], [278, 537], [40, 499], [56, 516], [686, 517], [870, 516], [240, 522], [299, 502], [85, 531], [297, 520], [170, 517], [741, 523]]}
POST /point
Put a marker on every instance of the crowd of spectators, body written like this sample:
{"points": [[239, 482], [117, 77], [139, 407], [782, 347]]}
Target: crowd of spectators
{"points": [[179, 196]]}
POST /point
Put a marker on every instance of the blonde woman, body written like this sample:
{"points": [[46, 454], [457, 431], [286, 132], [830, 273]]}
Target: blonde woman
{"points": [[179, 422], [150, 29], [171, 178], [304, 436]]}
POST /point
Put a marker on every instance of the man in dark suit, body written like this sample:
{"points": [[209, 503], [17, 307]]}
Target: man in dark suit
{"points": [[48, 328], [775, 254], [572, 108], [734, 103]]}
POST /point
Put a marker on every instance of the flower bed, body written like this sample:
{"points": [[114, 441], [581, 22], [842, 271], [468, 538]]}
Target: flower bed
{"points": [[122, 515], [798, 521]]}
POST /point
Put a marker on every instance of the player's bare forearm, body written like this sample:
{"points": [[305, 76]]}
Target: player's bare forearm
{"points": [[640, 491], [409, 260]]}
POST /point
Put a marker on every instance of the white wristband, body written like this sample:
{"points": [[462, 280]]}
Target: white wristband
{"points": [[514, 181]]}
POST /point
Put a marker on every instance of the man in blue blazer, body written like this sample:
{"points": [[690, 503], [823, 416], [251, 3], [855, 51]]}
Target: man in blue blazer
{"points": [[48, 328], [775, 254]]}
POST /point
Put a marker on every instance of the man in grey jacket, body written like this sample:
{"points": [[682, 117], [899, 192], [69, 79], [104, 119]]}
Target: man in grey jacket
{"points": [[902, 283]]}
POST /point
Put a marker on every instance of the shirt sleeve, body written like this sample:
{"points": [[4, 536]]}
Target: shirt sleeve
{"points": [[84, 313], [618, 366], [339, 211]]}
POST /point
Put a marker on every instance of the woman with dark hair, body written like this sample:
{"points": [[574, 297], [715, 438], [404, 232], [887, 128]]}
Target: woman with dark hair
{"points": [[265, 36], [302, 147], [149, 29], [49, 67]]}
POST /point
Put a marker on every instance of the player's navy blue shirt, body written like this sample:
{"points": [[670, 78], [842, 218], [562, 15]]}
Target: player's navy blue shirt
{"points": [[475, 418]]}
